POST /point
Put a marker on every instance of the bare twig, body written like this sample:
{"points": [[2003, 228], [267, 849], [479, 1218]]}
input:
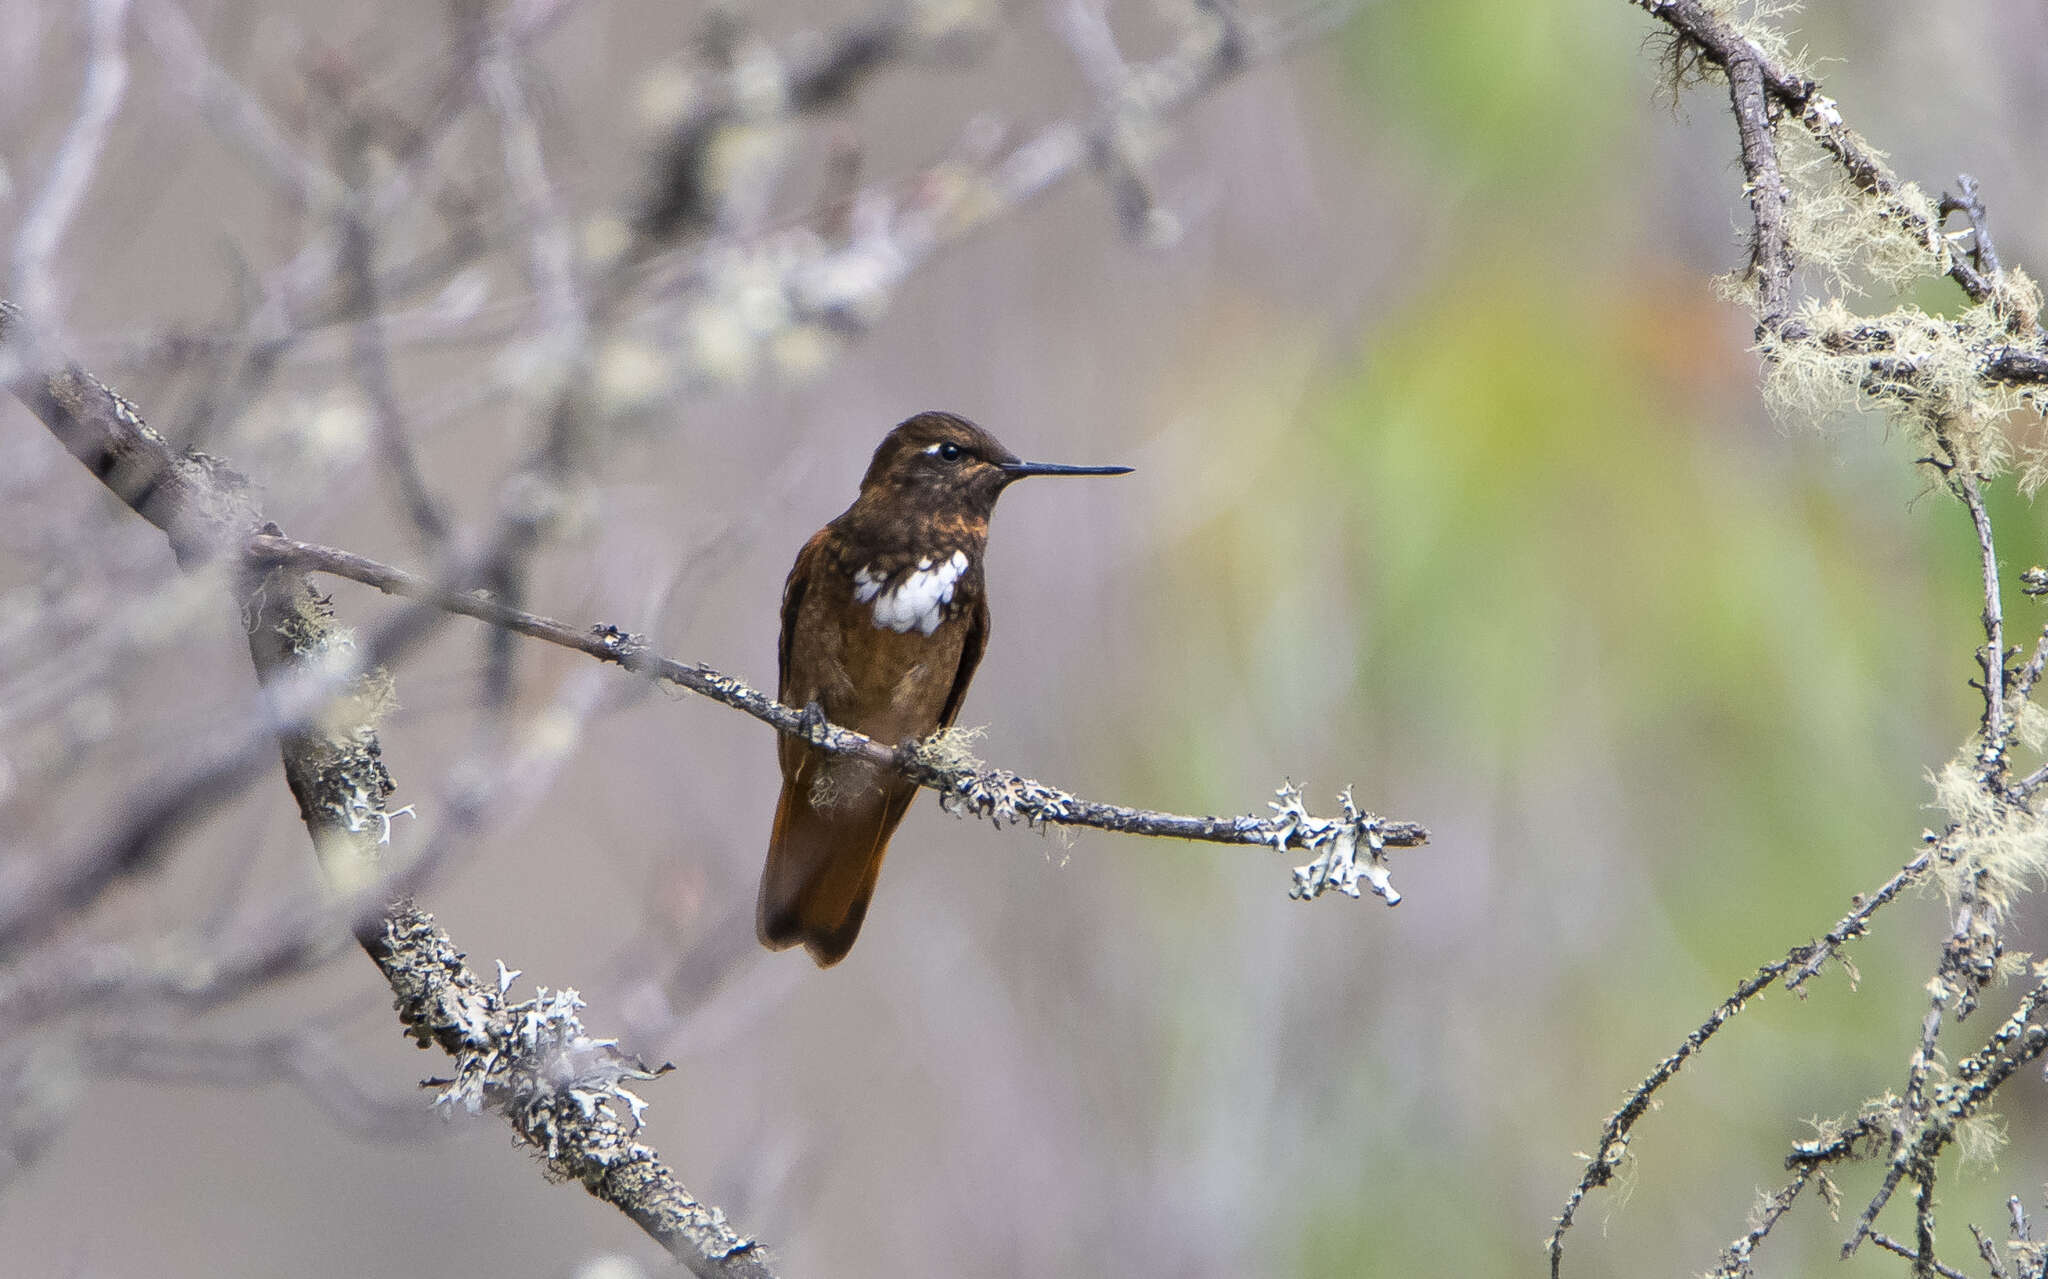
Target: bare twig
{"points": [[1923, 1260], [232, 109], [306, 1058], [78, 157], [1989, 1252], [1616, 1133], [1735, 1257], [1997, 728], [1982, 252], [371, 358], [1797, 967], [551, 253], [1749, 83]]}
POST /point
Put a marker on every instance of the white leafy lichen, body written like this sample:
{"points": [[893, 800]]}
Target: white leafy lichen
{"points": [[534, 1061], [1338, 865]]}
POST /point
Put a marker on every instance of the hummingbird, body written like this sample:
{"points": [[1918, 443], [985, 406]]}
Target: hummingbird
{"points": [[884, 618]]}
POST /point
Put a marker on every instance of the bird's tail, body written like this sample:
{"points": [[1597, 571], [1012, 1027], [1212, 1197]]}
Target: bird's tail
{"points": [[823, 857]]}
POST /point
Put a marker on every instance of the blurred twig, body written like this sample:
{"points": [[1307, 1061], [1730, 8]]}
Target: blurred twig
{"points": [[561, 1090], [78, 158]]}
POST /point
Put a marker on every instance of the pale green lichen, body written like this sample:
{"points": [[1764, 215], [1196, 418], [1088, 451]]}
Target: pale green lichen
{"points": [[1997, 848], [952, 749], [1851, 235], [1761, 22], [2029, 721], [1923, 371], [1979, 1138]]}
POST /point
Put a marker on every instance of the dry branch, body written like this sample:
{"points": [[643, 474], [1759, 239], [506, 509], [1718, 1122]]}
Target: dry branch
{"points": [[337, 774], [1953, 410]]}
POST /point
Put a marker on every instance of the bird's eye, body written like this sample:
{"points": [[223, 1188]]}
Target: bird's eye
{"points": [[949, 451]]}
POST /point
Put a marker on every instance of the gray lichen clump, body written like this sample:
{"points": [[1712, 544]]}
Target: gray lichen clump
{"points": [[333, 760]]}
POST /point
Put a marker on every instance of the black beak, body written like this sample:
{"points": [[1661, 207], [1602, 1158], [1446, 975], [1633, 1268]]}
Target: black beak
{"points": [[1019, 470]]}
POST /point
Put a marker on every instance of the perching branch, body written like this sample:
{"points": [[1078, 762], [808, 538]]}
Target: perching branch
{"points": [[963, 784]]}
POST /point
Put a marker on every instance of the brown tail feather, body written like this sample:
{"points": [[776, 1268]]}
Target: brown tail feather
{"points": [[822, 867]]}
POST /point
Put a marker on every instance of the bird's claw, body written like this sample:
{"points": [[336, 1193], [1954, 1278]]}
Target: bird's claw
{"points": [[811, 723]]}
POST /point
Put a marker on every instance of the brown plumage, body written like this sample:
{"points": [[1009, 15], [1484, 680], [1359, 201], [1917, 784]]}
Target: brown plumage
{"points": [[884, 619]]}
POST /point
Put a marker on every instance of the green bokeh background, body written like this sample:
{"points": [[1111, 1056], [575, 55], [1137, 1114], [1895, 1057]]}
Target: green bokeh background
{"points": [[1686, 667]]}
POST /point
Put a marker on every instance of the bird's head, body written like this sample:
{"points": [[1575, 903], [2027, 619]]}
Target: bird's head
{"points": [[943, 462]]}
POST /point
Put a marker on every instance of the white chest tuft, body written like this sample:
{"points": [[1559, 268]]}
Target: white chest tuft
{"points": [[919, 600]]}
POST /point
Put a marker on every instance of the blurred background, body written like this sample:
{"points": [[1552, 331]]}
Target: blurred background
{"points": [[1453, 485]]}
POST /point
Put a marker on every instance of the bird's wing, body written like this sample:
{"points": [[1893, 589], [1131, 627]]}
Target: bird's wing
{"points": [[970, 657], [793, 604]]}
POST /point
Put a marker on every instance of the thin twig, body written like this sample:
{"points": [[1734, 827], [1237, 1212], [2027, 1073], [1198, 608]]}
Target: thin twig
{"points": [[1997, 728], [370, 357], [1923, 1261], [78, 158], [306, 1058], [2014, 1044], [232, 109], [1749, 77], [1616, 1133], [1982, 251], [1989, 1252], [1735, 1257], [537, 207], [1797, 967]]}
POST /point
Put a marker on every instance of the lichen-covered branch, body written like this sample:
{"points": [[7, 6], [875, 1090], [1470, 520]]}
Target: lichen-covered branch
{"points": [[1844, 211], [1799, 965], [560, 1088], [334, 766], [1735, 1257], [1821, 198], [563, 1091], [1348, 849], [1771, 261]]}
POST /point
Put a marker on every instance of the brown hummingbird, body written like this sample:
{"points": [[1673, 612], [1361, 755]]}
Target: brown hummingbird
{"points": [[884, 619]]}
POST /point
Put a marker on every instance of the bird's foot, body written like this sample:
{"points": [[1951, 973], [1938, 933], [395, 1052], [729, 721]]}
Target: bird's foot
{"points": [[811, 722]]}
